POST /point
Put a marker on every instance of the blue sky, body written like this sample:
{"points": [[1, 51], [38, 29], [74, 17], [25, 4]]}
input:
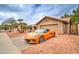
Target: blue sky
{"points": [[32, 13]]}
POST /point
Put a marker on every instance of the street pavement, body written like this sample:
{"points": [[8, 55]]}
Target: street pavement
{"points": [[7, 46], [20, 42]]}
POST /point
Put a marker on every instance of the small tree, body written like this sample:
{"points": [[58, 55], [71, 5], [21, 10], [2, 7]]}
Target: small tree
{"points": [[75, 16], [65, 15], [9, 24]]}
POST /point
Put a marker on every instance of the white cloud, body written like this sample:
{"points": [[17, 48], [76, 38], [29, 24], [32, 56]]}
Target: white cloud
{"points": [[8, 14], [32, 14]]}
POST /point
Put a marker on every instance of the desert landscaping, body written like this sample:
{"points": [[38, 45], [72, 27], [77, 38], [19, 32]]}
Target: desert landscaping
{"points": [[49, 35], [61, 44]]}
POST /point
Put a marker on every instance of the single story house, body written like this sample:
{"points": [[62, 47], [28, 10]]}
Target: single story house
{"points": [[60, 26]]}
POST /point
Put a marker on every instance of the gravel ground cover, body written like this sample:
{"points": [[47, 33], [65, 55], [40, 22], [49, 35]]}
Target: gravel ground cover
{"points": [[62, 44]]}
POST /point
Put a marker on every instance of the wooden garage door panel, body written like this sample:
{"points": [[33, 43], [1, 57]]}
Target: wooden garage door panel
{"points": [[51, 27]]}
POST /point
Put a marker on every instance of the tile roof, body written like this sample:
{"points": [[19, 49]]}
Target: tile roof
{"points": [[65, 20]]}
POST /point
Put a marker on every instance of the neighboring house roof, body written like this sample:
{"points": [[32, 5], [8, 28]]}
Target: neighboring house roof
{"points": [[66, 19], [62, 19]]}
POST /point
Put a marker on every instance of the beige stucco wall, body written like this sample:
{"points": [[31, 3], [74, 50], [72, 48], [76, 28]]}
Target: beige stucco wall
{"points": [[48, 22], [63, 29], [68, 28], [59, 27]]}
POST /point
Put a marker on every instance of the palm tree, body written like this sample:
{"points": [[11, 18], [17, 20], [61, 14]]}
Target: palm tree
{"points": [[25, 26], [20, 22]]}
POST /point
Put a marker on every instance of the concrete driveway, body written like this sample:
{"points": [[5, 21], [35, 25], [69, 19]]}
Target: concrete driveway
{"points": [[7, 46], [19, 41]]}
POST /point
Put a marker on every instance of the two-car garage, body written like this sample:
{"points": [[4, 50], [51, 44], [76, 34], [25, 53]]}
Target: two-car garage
{"points": [[55, 24]]}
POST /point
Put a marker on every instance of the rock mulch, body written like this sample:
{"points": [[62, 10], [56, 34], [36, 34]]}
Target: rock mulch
{"points": [[62, 44]]}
